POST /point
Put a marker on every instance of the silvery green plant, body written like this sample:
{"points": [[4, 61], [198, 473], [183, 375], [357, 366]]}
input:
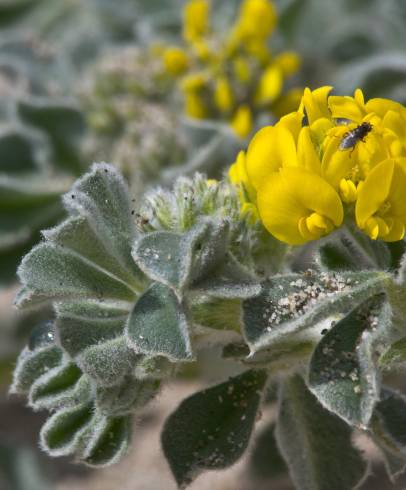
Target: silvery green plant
{"points": [[139, 288]]}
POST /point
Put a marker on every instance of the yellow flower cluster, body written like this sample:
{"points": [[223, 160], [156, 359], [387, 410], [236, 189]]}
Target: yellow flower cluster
{"points": [[335, 158], [231, 76]]}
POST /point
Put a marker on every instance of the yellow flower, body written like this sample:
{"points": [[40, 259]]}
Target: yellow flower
{"points": [[270, 85], [296, 205], [289, 62], [238, 176], [242, 69], [195, 20], [223, 95], [381, 205], [175, 60], [333, 154], [195, 106], [257, 19], [242, 121]]}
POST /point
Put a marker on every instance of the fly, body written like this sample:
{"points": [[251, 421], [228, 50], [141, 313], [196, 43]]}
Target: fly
{"points": [[351, 138]]}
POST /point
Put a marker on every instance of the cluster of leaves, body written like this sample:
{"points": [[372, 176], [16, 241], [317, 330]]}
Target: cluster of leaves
{"points": [[134, 303]]}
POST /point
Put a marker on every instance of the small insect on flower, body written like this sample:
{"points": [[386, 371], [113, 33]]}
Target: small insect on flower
{"points": [[351, 138]]}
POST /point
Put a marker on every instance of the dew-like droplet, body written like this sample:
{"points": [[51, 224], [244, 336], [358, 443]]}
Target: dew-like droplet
{"points": [[42, 334]]}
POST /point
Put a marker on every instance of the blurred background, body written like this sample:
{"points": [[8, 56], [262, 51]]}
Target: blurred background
{"points": [[78, 83]]}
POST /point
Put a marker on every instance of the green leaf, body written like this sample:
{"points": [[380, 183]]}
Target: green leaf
{"points": [[89, 255], [107, 362], [17, 153], [164, 256], [265, 459], [82, 324], [60, 387], [64, 125], [211, 429], [343, 372], [31, 365], [177, 259], [158, 325], [291, 303], [229, 280], [388, 430], [102, 197], [53, 272], [125, 397], [62, 433], [394, 354], [353, 250], [315, 443], [107, 441]]}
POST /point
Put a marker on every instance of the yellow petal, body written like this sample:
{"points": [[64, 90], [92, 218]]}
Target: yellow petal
{"points": [[257, 18], [269, 86], [271, 148], [381, 106], [289, 62], [397, 197], [242, 69], [195, 106], [242, 121], [374, 192], [223, 95], [195, 19], [175, 60], [315, 103], [291, 194], [292, 122], [307, 156], [348, 190], [346, 107]]}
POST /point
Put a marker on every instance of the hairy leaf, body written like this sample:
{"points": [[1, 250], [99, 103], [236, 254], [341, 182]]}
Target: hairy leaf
{"points": [[388, 430], [158, 325], [222, 419], [290, 303], [61, 435], [315, 443], [343, 372]]}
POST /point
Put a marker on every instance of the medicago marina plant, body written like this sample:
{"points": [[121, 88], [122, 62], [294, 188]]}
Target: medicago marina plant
{"points": [[140, 288]]}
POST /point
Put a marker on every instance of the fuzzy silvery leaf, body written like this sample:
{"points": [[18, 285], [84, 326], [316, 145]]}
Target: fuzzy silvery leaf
{"points": [[83, 324], [108, 362], [63, 432], [222, 418], [60, 387], [102, 197], [265, 459], [63, 124], [125, 397], [229, 280], [353, 250], [388, 430], [165, 256], [17, 153], [177, 259], [85, 265], [343, 369], [157, 326], [107, 440], [315, 443], [394, 354], [33, 364], [290, 303], [89, 255]]}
